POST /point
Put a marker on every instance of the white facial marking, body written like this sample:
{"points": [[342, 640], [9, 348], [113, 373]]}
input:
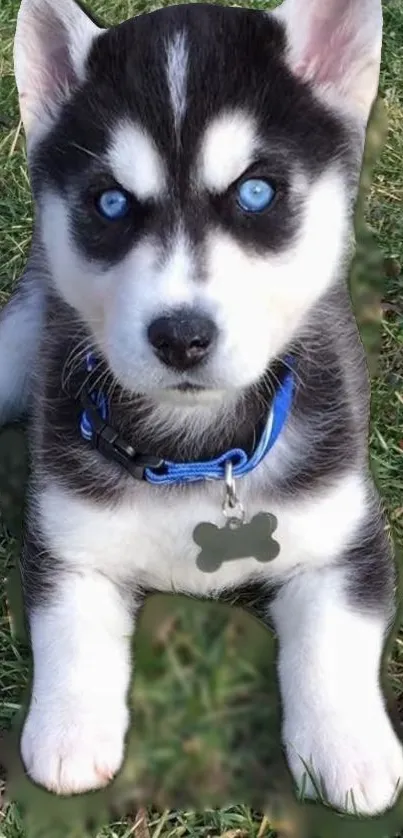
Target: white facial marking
{"points": [[81, 283], [177, 69], [229, 146], [136, 162], [149, 284], [260, 301], [120, 303], [73, 737], [334, 715]]}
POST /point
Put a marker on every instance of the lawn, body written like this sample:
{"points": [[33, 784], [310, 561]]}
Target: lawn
{"points": [[204, 697]]}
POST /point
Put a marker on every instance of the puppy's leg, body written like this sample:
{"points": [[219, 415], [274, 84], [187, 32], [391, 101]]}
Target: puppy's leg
{"points": [[334, 717], [20, 332], [73, 737]]}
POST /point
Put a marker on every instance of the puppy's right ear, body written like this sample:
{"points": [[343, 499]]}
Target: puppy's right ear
{"points": [[52, 43]]}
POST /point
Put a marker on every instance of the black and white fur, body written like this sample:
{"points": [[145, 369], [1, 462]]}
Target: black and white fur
{"points": [[176, 106]]}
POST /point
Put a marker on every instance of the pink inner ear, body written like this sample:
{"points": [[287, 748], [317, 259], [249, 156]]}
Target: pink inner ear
{"points": [[331, 41], [61, 66], [53, 66]]}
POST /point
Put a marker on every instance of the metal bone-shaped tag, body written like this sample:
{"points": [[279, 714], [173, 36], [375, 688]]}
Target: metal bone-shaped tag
{"points": [[236, 540]]}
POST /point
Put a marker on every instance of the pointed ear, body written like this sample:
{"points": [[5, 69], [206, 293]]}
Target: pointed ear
{"points": [[336, 45], [52, 42]]}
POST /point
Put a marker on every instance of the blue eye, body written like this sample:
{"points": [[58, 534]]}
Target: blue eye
{"points": [[113, 204], [255, 195]]}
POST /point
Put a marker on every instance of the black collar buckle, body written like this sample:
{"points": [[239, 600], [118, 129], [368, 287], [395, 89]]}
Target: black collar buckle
{"points": [[112, 446]]}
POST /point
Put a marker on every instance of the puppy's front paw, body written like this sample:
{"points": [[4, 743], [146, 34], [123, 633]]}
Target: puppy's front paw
{"points": [[69, 748], [359, 771]]}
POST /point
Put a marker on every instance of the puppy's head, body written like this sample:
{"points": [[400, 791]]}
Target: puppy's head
{"points": [[194, 171]]}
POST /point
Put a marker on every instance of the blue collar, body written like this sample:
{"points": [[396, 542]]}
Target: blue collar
{"points": [[94, 428]]}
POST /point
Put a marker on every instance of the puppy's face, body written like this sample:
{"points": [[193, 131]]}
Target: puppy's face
{"points": [[194, 194]]}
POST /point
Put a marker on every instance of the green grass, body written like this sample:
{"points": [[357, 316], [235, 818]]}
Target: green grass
{"points": [[204, 674]]}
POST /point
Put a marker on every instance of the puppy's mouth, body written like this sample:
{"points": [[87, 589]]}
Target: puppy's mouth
{"points": [[188, 387], [189, 393]]}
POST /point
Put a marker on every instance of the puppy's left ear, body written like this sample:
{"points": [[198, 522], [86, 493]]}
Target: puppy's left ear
{"points": [[52, 42], [336, 45]]}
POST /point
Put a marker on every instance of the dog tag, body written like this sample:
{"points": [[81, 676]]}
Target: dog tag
{"points": [[236, 540]]}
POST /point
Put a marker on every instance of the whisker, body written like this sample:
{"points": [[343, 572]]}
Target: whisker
{"points": [[87, 151]]}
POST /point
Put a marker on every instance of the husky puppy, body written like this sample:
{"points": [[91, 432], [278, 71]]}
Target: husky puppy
{"points": [[194, 172]]}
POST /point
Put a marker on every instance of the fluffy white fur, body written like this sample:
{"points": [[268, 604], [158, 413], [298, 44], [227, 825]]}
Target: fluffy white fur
{"points": [[149, 536], [73, 738], [334, 718]]}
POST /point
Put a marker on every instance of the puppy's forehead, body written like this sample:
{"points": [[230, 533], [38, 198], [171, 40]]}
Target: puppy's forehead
{"points": [[181, 70], [187, 94], [171, 81]]}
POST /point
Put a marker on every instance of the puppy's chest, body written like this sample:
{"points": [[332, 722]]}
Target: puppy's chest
{"points": [[189, 545], [179, 541]]}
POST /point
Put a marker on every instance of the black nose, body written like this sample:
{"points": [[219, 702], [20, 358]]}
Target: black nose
{"points": [[182, 339]]}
